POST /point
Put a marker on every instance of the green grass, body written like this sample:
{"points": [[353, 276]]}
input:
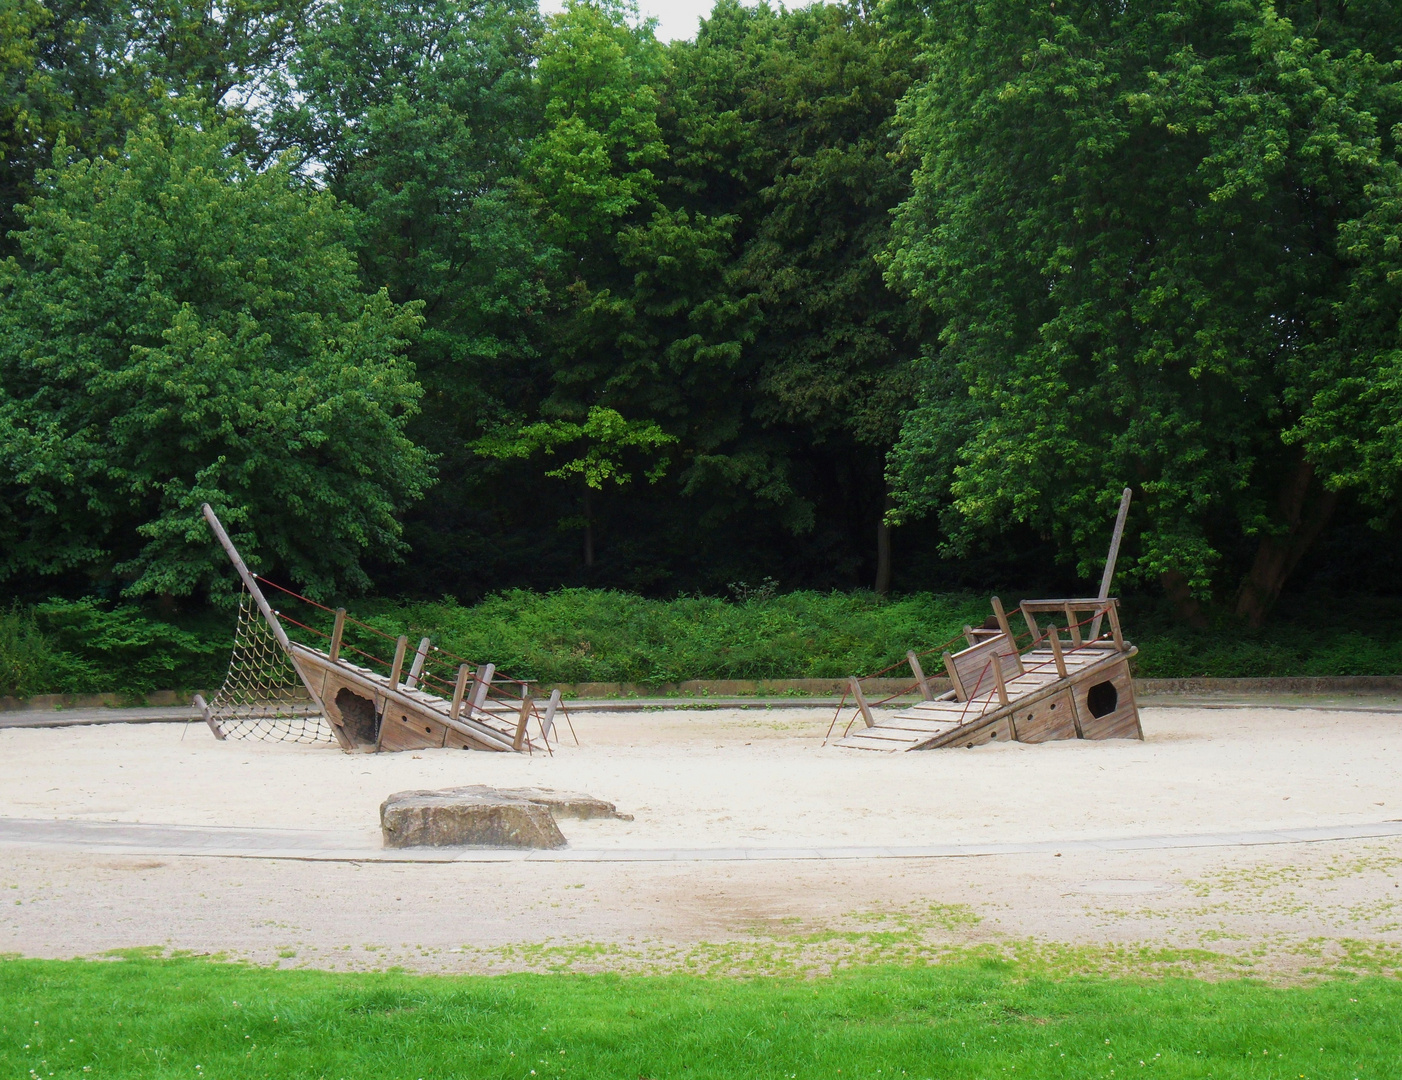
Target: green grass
{"points": [[597, 635], [192, 1018]]}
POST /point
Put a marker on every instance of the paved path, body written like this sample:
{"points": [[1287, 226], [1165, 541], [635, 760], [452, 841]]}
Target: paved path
{"points": [[122, 838]]}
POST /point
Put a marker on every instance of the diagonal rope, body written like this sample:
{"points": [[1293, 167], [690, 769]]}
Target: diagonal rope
{"points": [[262, 697]]}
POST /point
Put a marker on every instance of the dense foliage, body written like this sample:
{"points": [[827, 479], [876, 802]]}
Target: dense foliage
{"points": [[597, 635], [434, 296]]}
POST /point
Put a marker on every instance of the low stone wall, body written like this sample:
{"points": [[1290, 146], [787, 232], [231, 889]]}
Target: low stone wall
{"points": [[700, 689]]}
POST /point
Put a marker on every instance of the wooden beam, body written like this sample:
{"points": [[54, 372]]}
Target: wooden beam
{"points": [[1055, 638], [480, 688], [1110, 559], [547, 722], [1002, 617], [953, 673], [338, 631], [1113, 610], [458, 690], [861, 700], [1072, 627], [525, 715], [969, 635], [919, 673], [1031, 624], [998, 678], [396, 669], [417, 667]]}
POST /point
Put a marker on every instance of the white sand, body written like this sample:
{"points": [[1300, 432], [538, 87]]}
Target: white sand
{"points": [[754, 779], [718, 779]]}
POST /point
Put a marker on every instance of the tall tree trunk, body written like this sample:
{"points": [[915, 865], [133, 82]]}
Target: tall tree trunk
{"points": [[883, 549], [1180, 593], [588, 530], [1305, 508]]}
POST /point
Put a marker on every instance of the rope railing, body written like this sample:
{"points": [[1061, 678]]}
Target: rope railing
{"points": [[438, 672]]}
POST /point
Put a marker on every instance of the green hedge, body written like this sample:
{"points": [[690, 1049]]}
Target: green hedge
{"points": [[593, 635]]}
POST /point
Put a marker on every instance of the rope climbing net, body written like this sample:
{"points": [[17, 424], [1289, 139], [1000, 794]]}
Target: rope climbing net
{"points": [[262, 697]]}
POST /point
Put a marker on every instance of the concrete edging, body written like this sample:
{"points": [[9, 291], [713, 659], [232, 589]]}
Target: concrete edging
{"points": [[698, 690]]}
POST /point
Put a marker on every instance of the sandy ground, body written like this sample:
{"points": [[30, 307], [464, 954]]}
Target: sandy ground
{"points": [[733, 778]]}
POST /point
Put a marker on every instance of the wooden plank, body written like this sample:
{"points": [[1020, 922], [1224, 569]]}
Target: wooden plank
{"points": [[480, 687], [402, 730], [1047, 719]]}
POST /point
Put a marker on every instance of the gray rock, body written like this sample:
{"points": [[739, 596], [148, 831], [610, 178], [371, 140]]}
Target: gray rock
{"points": [[457, 818], [571, 804]]}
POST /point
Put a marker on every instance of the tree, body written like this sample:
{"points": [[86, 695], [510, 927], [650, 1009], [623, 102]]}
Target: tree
{"points": [[605, 436], [1142, 231], [180, 328]]}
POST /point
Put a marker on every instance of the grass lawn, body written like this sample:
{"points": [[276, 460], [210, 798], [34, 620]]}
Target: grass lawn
{"points": [[193, 1018]]}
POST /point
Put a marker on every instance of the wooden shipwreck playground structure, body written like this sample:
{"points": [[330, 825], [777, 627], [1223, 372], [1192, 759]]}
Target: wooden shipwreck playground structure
{"points": [[285, 690], [1006, 687]]}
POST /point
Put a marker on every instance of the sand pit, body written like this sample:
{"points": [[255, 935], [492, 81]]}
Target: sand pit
{"points": [[740, 781]]}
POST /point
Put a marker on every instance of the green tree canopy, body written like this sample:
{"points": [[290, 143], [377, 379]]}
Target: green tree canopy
{"points": [[179, 328], [1150, 233]]}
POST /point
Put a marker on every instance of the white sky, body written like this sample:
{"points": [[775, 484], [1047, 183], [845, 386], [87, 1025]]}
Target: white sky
{"points": [[675, 18]]}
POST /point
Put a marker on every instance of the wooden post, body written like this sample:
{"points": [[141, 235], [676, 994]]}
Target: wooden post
{"points": [[479, 691], [209, 718], [1031, 625], [861, 700], [969, 635], [1002, 618], [953, 673], [520, 738], [417, 667], [247, 577], [1110, 559], [1071, 626], [458, 690], [337, 632], [547, 722], [998, 678], [1056, 651], [400, 648], [1113, 611], [919, 674]]}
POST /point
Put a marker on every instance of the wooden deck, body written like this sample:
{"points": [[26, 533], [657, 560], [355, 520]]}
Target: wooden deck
{"points": [[1042, 706]]}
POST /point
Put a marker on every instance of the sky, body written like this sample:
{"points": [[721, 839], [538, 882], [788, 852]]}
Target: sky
{"points": [[675, 18]]}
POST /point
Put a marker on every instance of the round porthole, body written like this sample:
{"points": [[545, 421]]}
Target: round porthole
{"points": [[1102, 698]]}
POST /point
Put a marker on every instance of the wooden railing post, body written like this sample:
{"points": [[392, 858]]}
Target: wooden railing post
{"points": [[400, 647], [1113, 611], [479, 690], [861, 700], [1057, 656], [919, 673], [520, 738], [417, 667], [458, 690], [337, 633], [1002, 617], [998, 679]]}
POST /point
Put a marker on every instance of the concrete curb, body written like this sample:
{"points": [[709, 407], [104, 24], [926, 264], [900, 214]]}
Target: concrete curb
{"points": [[122, 838]]}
